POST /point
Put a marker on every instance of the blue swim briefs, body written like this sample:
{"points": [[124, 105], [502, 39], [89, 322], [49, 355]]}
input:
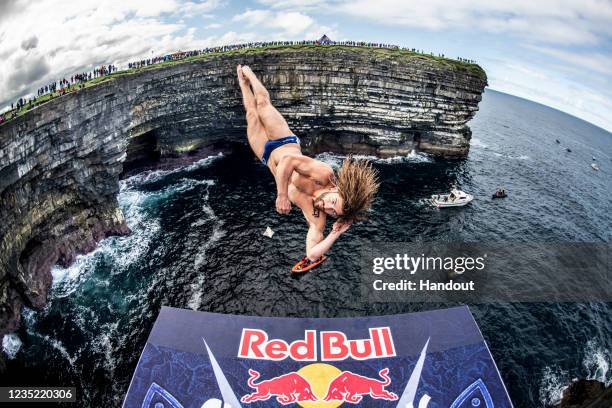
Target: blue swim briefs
{"points": [[273, 144]]}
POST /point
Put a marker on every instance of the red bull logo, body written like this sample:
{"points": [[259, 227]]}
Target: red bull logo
{"points": [[333, 346], [287, 389], [351, 387], [320, 385]]}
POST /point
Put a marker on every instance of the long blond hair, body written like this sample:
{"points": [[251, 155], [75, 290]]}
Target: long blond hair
{"points": [[357, 183]]}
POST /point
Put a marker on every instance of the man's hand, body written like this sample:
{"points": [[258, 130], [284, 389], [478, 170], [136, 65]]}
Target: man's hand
{"points": [[283, 205], [341, 227]]}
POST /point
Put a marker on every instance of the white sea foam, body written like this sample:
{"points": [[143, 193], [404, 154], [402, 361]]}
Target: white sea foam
{"points": [[66, 280], [597, 363], [335, 160], [28, 316], [520, 157], [511, 157], [59, 346], [124, 251], [478, 143], [138, 207], [150, 176], [29, 319], [104, 345], [11, 344], [553, 383], [197, 287], [412, 157]]}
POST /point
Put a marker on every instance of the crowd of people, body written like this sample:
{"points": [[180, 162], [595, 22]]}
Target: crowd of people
{"points": [[77, 81], [232, 47], [57, 88]]}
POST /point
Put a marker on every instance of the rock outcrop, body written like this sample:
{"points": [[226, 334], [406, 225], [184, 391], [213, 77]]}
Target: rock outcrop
{"points": [[586, 394], [60, 163]]}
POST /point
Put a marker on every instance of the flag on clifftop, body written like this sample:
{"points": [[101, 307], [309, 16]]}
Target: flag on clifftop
{"points": [[429, 359]]}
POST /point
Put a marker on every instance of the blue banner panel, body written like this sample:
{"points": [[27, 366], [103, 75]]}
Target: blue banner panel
{"points": [[418, 360]]}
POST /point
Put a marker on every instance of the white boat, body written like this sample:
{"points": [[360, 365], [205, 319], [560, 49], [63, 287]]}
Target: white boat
{"points": [[594, 166], [456, 198]]}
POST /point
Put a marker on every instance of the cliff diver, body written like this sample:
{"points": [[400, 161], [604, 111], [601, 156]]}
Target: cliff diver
{"points": [[302, 181]]}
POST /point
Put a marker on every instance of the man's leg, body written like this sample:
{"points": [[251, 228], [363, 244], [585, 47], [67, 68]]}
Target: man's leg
{"points": [[274, 123], [256, 133]]}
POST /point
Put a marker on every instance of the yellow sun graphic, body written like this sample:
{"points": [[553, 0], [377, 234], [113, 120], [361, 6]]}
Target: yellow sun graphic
{"points": [[319, 376]]}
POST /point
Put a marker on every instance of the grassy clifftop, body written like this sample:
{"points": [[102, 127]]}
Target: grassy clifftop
{"points": [[399, 55], [396, 54]]}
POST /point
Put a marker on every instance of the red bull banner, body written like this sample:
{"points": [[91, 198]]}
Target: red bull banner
{"points": [[418, 360]]}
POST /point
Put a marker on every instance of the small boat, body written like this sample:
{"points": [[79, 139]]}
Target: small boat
{"points": [[595, 166], [268, 232], [456, 198], [569, 150], [500, 193], [557, 140], [305, 264]]}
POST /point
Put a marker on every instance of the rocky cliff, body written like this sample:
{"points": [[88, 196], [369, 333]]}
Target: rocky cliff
{"points": [[586, 394], [60, 162]]}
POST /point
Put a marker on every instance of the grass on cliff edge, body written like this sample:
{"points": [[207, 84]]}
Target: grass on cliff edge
{"points": [[394, 54]]}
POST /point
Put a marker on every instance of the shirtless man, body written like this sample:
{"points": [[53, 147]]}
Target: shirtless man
{"points": [[300, 180]]}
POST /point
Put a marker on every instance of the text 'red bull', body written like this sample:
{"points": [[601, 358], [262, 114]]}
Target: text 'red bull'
{"points": [[333, 346]]}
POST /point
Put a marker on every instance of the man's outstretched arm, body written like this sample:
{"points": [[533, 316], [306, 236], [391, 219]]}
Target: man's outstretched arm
{"points": [[316, 245]]}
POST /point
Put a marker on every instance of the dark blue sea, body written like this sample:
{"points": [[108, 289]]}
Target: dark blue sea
{"points": [[197, 243]]}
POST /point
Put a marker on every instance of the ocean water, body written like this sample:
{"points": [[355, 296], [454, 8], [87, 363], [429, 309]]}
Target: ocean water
{"points": [[197, 243]]}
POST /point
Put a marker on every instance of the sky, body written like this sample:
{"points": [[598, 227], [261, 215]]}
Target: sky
{"points": [[555, 52]]}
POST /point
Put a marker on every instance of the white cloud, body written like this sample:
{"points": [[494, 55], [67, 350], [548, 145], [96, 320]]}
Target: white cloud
{"points": [[253, 18], [292, 23], [302, 5], [591, 60], [553, 21], [546, 87], [44, 41], [191, 9], [286, 25]]}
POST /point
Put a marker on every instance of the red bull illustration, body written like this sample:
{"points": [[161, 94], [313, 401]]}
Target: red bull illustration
{"points": [[287, 388], [351, 387], [433, 359]]}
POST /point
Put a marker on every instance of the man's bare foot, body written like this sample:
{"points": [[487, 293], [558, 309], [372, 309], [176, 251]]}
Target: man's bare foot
{"points": [[248, 73], [242, 80]]}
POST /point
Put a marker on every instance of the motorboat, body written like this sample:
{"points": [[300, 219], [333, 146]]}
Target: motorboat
{"points": [[456, 198], [594, 166], [499, 193]]}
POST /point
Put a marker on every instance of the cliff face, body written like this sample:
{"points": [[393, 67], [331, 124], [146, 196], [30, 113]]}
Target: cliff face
{"points": [[60, 163]]}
